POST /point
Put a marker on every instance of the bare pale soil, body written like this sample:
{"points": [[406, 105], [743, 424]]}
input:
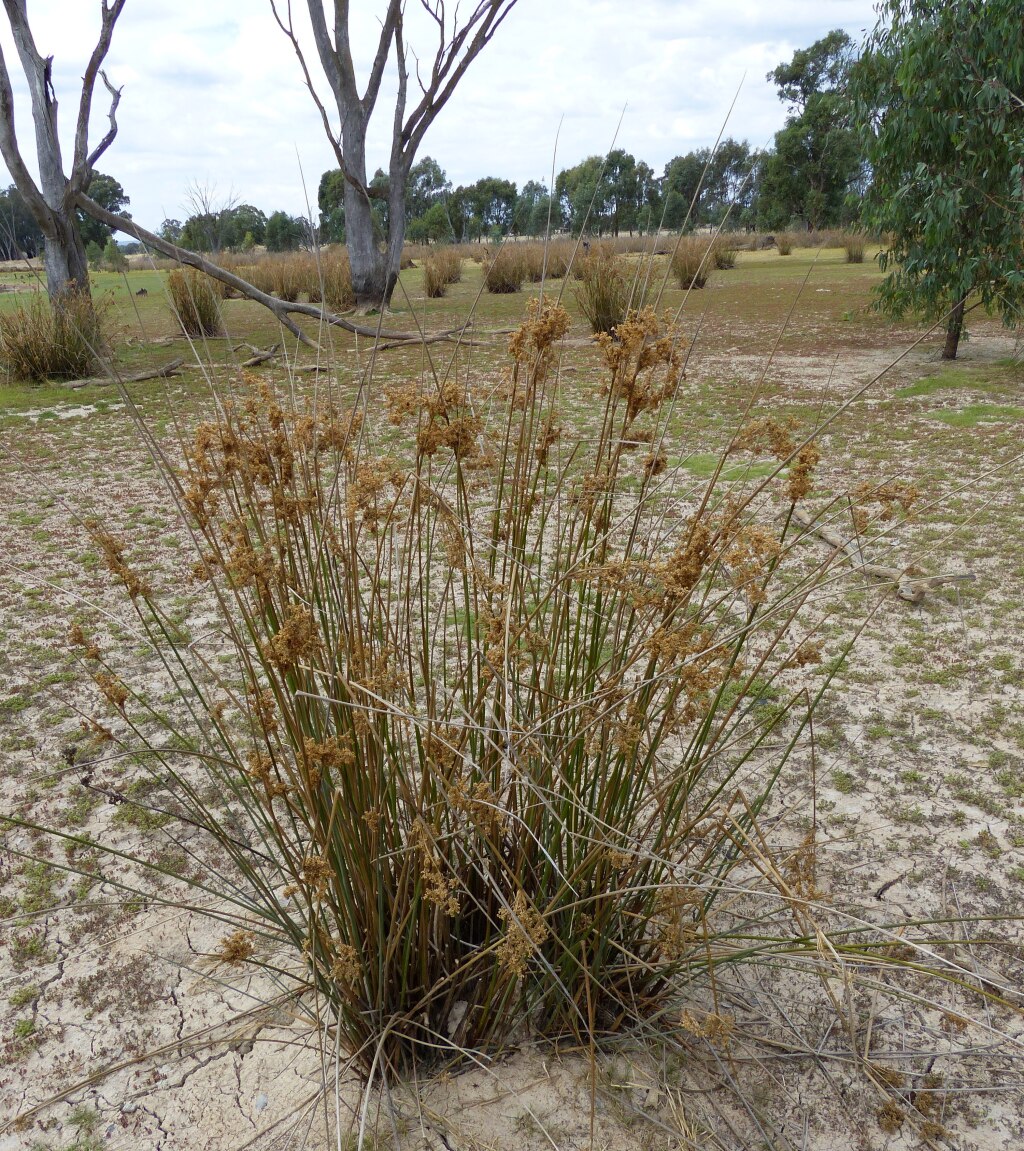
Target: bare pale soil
{"points": [[117, 1027]]}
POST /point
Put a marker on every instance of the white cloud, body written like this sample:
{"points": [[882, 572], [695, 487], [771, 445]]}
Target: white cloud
{"points": [[212, 91]]}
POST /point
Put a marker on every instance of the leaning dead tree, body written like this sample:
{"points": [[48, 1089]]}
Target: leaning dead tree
{"points": [[374, 267], [52, 201]]}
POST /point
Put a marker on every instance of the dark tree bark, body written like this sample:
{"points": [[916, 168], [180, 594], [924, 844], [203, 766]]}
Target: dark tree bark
{"points": [[954, 329], [374, 267], [52, 201]]}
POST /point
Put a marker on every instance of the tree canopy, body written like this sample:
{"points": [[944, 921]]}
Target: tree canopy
{"points": [[109, 194], [938, 99], [285, 233], [701, 187], [817, 159]]}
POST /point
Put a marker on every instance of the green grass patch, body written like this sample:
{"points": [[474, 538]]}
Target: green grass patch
{"points": [[975, 414], [704, 465], [933, 384], [16, 398]]}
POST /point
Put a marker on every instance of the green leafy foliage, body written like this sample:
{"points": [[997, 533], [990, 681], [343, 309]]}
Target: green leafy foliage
{"points": [[700, 188], [610, 193], [109, 194], [19, 233], [937, 97], [817, 158], [284, 233]]}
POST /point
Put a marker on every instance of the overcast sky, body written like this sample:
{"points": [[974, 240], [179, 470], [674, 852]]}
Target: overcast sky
{"points": [[213, 93]]}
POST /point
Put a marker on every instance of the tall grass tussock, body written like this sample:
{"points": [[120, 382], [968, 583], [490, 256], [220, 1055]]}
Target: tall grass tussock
{"points": [[40, 342], [332, 277], [492, 751], [482, 737], [853, 245], [609, 288], [692, 261], [324, 276], [723, 252], [442, 266], [505, 269], [784, 243], [196, 302]]}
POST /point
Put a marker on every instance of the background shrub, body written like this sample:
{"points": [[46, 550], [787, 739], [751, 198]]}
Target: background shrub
{"points": [[609, 288], [505, 270], [196, 302], [691, 262], [39, 342]]}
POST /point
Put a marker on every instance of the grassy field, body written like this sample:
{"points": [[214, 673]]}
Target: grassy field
{"points": [[911, 791]]}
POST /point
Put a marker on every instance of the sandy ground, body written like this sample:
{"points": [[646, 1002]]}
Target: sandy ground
{"points": [[118, 1030]]}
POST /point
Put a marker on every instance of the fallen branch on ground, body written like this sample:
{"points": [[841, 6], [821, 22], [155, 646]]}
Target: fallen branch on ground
{"points": [[908, 587], [258, 356], [170, 369]]}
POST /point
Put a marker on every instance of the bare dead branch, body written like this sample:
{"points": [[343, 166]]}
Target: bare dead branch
{"points": [[375, 270], [52, 199], [282, 309], [83, 160], [38, 74], [907, 587], [170, 369], [392, 21], [289, 31], [401, 97], [9, 145], [451, 63], [261, 357], [108, 139]]}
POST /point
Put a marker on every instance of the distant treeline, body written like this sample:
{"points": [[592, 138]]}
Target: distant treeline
{"points": [[813, 177]]}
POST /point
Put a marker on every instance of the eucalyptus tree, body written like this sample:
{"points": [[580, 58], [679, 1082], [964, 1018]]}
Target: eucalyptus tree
{"points": [[375, 266], [52, 199], [938, 95], [817, 160]]}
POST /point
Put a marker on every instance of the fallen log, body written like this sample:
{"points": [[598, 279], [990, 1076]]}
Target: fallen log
{"points": [[908, 587], [170, 369], [260, 357]]}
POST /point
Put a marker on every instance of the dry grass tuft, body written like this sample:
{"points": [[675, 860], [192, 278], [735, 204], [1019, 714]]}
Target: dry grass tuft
{"points": [[853, 245], [39, 342], [196, 302], [505, 270], [609, 288], [723, 252], [442, 266], [490, 756], [692, 261]]}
